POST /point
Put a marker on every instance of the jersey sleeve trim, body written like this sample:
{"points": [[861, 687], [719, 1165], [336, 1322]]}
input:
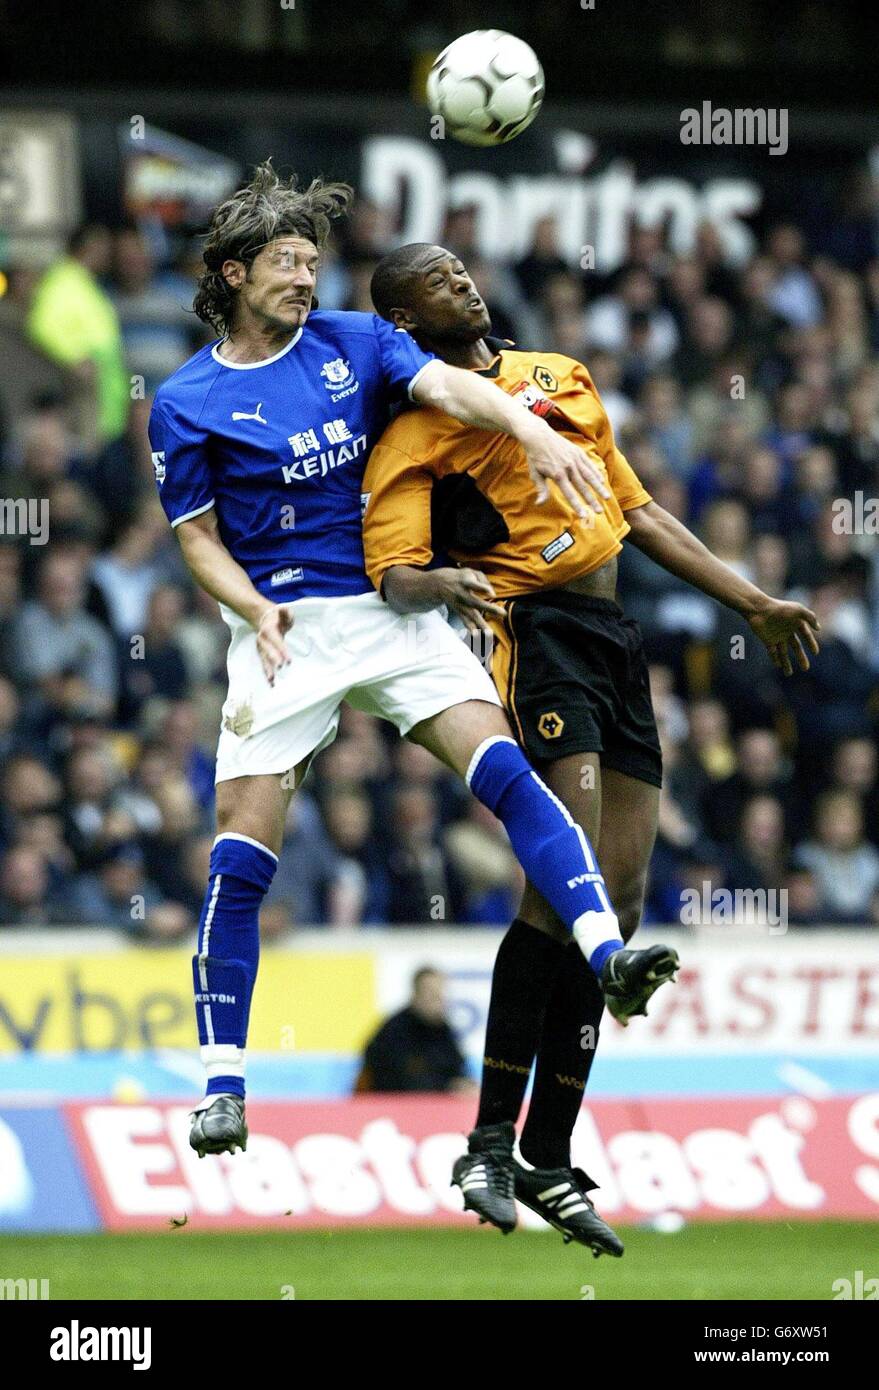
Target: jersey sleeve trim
{"points": [[634, 499], [189, 515], [412, 383]]}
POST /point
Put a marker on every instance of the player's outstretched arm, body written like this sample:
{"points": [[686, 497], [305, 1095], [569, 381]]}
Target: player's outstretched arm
{"points": [[782, 627], [551, 458], [214, 570]]}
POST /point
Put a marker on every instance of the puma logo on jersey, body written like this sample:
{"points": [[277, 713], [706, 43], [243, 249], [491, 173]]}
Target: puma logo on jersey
{"points": [[242, 415]]}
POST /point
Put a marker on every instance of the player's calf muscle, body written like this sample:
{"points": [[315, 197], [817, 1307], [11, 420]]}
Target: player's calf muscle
{"points": [[627, 896]]}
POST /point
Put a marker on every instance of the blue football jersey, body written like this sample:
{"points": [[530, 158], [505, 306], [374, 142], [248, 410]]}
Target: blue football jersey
{"points": [[279, 448]]}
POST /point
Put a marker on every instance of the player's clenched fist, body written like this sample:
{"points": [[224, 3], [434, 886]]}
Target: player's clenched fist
{"points": [[468, 593], [273, 650]]}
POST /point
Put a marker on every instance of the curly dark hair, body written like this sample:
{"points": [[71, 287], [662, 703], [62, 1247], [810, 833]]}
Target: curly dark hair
{"points": [[266, 208]]}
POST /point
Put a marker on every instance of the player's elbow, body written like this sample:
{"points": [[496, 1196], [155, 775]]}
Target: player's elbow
{"points": [[392, 588], [408, 589]]}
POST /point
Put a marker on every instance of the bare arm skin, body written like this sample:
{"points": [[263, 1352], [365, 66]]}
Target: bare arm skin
{"points": [[776, 622], [668, 542], [474, 401], [466, 592], [214, 570]]}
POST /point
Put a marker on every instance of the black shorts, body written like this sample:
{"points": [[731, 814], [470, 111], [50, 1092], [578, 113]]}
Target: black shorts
{"points": [[572, 674]]}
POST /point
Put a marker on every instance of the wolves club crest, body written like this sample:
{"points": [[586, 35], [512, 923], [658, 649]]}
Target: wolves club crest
{"points": [[544, 377]]}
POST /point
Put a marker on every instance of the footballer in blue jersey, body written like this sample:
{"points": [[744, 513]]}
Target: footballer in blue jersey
{"points": [[260, 444], [278, 448]]}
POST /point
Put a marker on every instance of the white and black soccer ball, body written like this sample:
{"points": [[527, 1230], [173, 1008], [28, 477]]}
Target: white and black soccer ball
{"points": [[487, 86]]}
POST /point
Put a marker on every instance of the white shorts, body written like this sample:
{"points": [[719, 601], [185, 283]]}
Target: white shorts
{"points": [[401, 667]]}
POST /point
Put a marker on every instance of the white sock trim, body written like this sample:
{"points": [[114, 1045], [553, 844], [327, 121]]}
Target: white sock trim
{"points": [[230, 835], [594, 929], [203, 959], [482, 750], [222, 1059], [560, 806]]}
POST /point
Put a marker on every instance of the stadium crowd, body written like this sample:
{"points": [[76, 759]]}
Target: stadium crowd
{"points": [[746, 398]]}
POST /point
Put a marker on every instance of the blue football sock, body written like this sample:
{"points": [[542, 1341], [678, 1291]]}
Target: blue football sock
{"points": [[224, 971], [552, 849]]}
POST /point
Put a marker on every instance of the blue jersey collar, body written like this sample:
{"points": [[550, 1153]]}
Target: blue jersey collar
{"points": [[249, 366]]}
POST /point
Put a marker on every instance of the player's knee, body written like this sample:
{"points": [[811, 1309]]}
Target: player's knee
{"points": [[244, 814]]}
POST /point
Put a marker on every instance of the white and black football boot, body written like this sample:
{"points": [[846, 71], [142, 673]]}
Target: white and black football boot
{"points": [[559, 1196], [485, 1175]]}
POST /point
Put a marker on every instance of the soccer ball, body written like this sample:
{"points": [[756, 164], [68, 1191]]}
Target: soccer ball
{"points": [[487, 86]]}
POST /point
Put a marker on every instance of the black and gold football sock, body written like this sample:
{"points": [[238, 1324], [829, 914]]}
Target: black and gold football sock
{"points": [[523, 977], [564, 1059]]}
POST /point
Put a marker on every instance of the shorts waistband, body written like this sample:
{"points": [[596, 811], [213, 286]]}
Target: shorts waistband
{"points": [[577, 603]]}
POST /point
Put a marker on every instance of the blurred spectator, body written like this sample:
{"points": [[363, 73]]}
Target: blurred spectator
{"points": [[424, 885], [758, 857], [804, 905], [180, 737], [154, 666], [25, 372], [606, 372], [710, 744], [74, 323], [96, 819], [27, 788], [154, 308], [609, 319], [845, 865], [361, 891], [129, 571], [855, 768], [416, 1049], [309, 866], [116, 893], [706, 340], [665, 422], [480, 853], [24, 889], [793, 295], [543, 260], [61, 650], [761, 769]]}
